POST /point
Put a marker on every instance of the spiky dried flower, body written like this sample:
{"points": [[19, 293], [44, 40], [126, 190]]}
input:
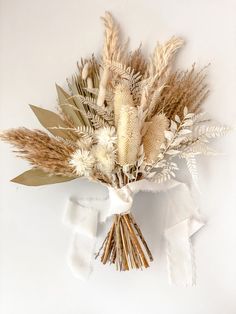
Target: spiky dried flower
{"points": [[83, 162], [154, 137], [106, 137]]}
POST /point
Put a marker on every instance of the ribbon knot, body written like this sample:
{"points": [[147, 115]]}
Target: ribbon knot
{"points": [[120, 200]]}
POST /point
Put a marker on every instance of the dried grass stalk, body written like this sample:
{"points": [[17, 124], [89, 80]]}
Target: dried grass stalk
{"points": [[163, 56], [183, 89], [158, 71], [154, 137], [137, 62], [128, 135], [41, 150], [111, 52]]}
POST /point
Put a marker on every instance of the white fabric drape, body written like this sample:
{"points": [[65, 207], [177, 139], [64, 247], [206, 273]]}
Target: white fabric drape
{"points": [[184, 220]]}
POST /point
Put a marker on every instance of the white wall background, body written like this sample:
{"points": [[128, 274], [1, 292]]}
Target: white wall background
{"points": [[40, 44]]}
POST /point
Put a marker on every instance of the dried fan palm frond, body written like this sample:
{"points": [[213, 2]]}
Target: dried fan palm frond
{"points": [[41, 150], [128, 135], [154, 137], [122, 97]]}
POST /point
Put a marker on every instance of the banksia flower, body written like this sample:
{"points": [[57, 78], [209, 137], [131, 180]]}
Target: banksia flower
{"points": [[122, 97], [82, 161], [154, 137], [128, 135]]}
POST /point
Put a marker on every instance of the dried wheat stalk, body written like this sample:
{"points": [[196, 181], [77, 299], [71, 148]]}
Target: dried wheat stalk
{"points": [[41, 150]]}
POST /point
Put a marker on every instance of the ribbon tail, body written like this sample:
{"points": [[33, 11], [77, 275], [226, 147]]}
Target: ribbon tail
{"points": [[180, 256], [183, 222], [80, 256], [83, 221]]}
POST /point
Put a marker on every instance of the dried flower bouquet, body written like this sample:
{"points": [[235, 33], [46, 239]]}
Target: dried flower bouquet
{"points": [[124, 119]]}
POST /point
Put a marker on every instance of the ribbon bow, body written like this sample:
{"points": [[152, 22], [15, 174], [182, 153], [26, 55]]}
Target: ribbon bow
{"points": [[184, 220]]}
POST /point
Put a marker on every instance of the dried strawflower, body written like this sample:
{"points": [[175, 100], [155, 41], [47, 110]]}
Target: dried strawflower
{"points": [[106, 137], [105, 159], [82, 162]]}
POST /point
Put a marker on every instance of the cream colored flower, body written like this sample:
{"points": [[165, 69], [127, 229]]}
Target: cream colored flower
{"points": [[83, 162], [106, 136], [105, 159]]}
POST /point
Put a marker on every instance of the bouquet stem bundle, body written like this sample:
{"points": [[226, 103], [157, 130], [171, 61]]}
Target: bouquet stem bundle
{"points": [[125, 245]]}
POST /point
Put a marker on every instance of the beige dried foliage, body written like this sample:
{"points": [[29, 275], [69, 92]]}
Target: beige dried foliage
{"points": [[112, 48], [163, 55], [158, 70], [154, 137], [41, 150], [128, 135], [137, 61], [183, 89], [112, 51], [122, 97]]}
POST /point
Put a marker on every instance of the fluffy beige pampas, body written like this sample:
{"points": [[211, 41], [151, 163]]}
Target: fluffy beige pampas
{"points": [[154, 137]]}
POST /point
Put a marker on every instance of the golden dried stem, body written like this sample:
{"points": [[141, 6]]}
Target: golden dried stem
{"points": [[135, 240], [125, 245]]}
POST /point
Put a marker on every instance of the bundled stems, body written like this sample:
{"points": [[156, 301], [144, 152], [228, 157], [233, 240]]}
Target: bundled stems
{"points": [[125, 246]]}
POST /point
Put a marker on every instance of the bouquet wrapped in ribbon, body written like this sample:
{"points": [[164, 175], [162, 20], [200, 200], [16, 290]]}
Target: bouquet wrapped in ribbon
{"points": [[124, 122]]}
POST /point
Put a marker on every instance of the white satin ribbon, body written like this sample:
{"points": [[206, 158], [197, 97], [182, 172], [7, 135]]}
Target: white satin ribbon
{"points": [[183, 220]]}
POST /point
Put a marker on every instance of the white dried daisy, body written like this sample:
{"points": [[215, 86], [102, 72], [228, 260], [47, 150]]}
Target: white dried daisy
{"points": [[106, 136], [83, 162], [105, 159]]}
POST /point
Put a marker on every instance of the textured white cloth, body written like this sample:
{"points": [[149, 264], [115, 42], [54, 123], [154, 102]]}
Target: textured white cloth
{"points": [[83, 216]]}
